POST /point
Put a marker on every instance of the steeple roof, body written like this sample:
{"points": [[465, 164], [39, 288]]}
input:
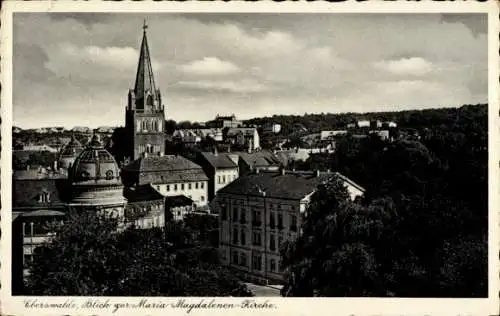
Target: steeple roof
{"points": [[144, 80]]}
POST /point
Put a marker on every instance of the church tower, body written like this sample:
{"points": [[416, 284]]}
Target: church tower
{"points": [[145, 113]]}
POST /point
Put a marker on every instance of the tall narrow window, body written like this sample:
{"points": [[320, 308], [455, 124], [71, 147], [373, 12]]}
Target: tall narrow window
{"points": [[272, 243], [272, 223], [293, 223], [235, 236], [243, 238], [235, 214], [280, 221]]}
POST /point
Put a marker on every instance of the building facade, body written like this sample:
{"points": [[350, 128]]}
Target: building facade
{"points": [[170, 175], [247, 137], [220, 170], [258, 212], [145, 112]]}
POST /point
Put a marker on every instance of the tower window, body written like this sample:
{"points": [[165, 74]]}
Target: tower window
{"points": [[149, 100]]}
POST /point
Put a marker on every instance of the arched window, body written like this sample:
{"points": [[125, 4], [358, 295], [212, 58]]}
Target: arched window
{"points": [[109, 175], [160, 126], [149, 100]]}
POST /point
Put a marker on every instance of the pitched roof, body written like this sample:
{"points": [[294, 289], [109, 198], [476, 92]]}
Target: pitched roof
{"points": [[219, 161], [247, 131], [261, 158], [144, 79], [25, 193], [178, 200], [291, 185], [165, 169], [142, 193]]}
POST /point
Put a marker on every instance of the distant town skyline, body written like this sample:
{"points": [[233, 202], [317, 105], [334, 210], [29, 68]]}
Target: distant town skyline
{"points": [[76, 69]]}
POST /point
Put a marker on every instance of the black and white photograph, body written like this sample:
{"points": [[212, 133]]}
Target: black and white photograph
{"points": [[250, 154]]}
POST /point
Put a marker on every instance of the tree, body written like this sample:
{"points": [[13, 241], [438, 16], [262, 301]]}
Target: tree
{"points": [[336, 254], [89, 256]]}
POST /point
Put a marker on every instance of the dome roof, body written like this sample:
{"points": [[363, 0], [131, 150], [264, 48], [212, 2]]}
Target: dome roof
{"points": [[69, 152], [95, 166]]}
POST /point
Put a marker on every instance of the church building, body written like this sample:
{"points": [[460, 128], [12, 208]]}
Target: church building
{"points": [[145, 113]]}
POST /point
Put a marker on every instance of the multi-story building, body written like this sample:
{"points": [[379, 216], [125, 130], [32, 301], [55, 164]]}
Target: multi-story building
{"points": [[171, 175], [220, 170], [271, 127], [227, 121], [247, 137], [258, 212], [145, 113]]}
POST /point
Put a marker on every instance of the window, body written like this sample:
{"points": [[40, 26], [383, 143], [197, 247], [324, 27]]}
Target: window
{"points": [[257, 262], [202, 185], [218, 179], [280, 221], [243, 238], [235, 236], [293, 223], [235, 257], [109, 175], [257, 241], [182, 186], [224, 214], [189, 186], [202, 198], [243, 217], [235, 214], [223, 179], [272, 243], [168, 187], [272, 265], [158, 188], [280, 241], [256, 220], [28, 259], [243, 259], [175, 187], [272, 223], [196, 185]]}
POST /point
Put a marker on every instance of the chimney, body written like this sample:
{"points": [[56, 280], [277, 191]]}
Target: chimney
{"points": [[257, 170], [28, 167], [55, 165], [145, 155], [282, 171], [316, 173], [215, 150]]}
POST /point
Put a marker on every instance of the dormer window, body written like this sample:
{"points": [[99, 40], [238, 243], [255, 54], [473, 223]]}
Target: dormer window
{"points": [[44, 197], [84, 175], [109, 175]]}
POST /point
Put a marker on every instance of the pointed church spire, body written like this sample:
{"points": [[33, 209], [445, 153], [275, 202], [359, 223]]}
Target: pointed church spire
{"points": [[144, 80]]}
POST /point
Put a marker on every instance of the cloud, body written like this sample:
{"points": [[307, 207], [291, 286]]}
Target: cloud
{"points": [[413, 66], [240, 86], [209, 66]]}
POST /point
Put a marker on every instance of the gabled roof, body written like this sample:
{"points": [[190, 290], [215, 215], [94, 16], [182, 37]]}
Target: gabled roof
{"points": [[142, 193], [165, 169], [219, 161], [261, 158], [294, 186], [25, 193], [178, 200]]}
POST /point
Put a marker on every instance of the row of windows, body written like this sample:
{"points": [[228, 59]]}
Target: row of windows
{"points": [[270, 205], [37, 229], [275, 219], [183, 186], [222, 179], [241, 259], [150, 149], [239, 237], [153, 125]]}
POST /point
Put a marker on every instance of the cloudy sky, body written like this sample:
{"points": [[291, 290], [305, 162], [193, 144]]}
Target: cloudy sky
{"points": [[76, 69]]}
